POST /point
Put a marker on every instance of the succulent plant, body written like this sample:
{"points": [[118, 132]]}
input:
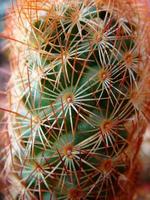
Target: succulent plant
{"points": [[77, 99]]}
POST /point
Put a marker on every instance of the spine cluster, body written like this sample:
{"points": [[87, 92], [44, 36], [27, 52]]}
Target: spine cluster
{"points": [[78, 99]]}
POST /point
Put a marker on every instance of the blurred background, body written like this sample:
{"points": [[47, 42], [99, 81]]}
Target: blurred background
{"points": [[4, 64], [143, 181], [4, 77]]}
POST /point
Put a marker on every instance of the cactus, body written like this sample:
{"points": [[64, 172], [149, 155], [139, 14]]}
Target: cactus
{"points": [[77, 99]]}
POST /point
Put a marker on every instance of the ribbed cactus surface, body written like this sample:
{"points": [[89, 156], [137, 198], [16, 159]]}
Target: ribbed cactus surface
{"points": [[77, 99]]}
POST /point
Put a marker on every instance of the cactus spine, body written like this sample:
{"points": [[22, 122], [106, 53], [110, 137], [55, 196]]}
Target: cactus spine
{"points": [[77, 97]]}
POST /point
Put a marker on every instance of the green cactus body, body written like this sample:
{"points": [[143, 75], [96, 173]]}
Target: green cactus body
{"points": [[75, 99]]}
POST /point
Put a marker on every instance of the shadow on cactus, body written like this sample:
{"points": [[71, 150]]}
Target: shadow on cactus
{"points": [[77, 98]]}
